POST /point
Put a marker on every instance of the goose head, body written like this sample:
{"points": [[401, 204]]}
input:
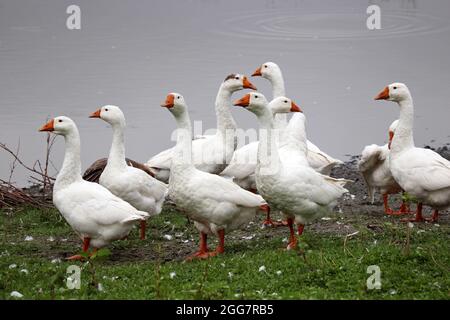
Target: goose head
{"points": [[257, 103], [235, 82], [60, 125], [175, 103], [267, 70], [111, 114], [283, 105], [392, 129], [396, 92]]}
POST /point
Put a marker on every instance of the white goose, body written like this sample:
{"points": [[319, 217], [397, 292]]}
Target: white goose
{"points": [[211, 153], [131, 184], [216, 204], [374, 167], [292, 187], [93, 212], [422, 173]]}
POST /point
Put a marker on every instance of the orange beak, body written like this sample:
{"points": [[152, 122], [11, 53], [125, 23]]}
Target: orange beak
{"points": [[169, 101], [95, 114], [391, 136], [383, 95], [243, 102], [257, 73], [49, 126], [247, 84], [295, 108]]}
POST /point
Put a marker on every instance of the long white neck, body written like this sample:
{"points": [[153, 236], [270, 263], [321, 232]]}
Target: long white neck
{"points": [[71, 168], [182, 158], [403, 137], [116, 157], [296, 140], [278, 90], [268, 157], [224, 118]]}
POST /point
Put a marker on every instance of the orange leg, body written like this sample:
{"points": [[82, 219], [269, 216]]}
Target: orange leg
{"points": [[203, 250], [404, 208], [300, 229], [269, 222], [142, 230], [418, 217], [292, 238], [86, 243], [387, 209], [434, 216], [221, 247]]}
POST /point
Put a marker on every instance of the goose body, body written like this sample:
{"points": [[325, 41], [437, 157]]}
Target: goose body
{"points": [[210, 153], [216, 204], [93, 212], [374, 166], [131, 184], [292, 187], [375, 169], [422, 173]]}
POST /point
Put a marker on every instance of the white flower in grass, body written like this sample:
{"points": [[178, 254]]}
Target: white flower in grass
{"points": [[167, 237], [230, 275], [410, 225], [172, 275], [16, 294], [29, 238], [57, 260], [12, 266], [279, 273], [262, 269], [100, 287], [24, 271], [51, 239]]}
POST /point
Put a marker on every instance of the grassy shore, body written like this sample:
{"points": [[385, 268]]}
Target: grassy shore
{"points": [[331, 263]]}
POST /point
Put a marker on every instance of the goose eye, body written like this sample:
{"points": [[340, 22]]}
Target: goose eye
{"points": [[178, 97], [256, 97], [265, 66], [395, 88], [59, 120], [285, 101], [106, 109], [237, 78]]}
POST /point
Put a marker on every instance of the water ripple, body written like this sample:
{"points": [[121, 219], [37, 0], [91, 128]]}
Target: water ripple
{"points": [[287, 26]]}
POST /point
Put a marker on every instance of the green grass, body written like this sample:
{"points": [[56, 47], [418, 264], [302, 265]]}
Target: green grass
{"points": [[414, 263]]}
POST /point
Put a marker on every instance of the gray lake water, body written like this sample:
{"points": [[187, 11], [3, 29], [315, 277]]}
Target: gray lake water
{"points": [[132, 53]]}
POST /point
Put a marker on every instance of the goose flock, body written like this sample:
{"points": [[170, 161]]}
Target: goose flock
{"points": [[221, 187]]}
